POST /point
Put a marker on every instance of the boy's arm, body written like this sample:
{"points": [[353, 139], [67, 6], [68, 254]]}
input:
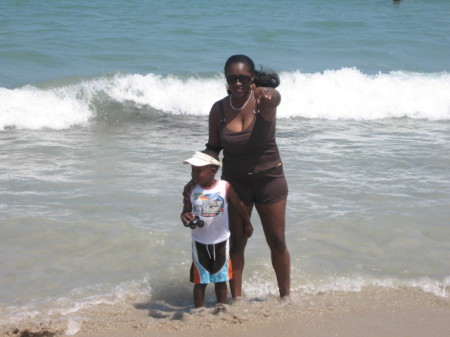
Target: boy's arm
{"points": [[237, 203], [186, 213]]}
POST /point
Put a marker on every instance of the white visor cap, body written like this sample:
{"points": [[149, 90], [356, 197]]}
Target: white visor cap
{"points": [[202, 159]]}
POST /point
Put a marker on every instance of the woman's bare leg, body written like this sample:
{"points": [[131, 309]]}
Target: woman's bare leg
{"points": [[273, 218]]}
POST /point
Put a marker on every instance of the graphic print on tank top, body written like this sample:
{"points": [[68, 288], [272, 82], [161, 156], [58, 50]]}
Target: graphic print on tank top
{"points": [[207, 205]]}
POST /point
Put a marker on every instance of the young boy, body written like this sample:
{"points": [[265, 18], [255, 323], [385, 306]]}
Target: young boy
{"points": [[205, 210]]}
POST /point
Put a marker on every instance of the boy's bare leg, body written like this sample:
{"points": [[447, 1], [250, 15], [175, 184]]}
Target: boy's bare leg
{"points": [[221, 292], [199, 295]]}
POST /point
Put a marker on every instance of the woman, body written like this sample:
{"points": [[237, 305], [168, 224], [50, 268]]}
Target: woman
{"points": [[243, 123]]}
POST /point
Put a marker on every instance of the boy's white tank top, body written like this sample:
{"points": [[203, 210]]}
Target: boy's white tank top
{"points": [[212, 207]]}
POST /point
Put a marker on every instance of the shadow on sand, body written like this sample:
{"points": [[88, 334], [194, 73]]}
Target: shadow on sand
{"points": [[172, 301]]}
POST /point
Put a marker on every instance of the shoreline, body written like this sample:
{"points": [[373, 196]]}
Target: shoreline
{"points": [[369, 313]]}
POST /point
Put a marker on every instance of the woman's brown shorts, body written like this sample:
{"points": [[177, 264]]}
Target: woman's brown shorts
{"points": [[265, 187]]}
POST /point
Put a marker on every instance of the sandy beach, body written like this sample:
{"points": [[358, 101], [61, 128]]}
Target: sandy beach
{"points": [[369, 313], [409, 322]]}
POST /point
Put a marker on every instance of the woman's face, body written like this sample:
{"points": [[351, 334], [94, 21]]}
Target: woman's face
{"points": [[239, 79]]}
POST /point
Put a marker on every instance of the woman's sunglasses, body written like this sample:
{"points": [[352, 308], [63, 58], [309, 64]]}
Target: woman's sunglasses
{"points": [[244, 79]]}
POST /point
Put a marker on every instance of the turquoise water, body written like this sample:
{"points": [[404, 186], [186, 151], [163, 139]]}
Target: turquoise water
{"points": [[100, 101], [46, 40]]}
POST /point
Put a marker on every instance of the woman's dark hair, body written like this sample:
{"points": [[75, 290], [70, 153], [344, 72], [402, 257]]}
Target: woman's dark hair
{"points": [[263, 78]]}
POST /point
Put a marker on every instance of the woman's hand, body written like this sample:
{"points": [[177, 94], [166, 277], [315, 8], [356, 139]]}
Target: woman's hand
{"points": [[262, 93]]}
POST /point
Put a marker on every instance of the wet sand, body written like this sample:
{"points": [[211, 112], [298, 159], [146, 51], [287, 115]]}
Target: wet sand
{"points": [[413, 322], [374, 313]]}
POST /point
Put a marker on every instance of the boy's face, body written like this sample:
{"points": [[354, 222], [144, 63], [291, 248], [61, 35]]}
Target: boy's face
{"points": [[203, 175]]}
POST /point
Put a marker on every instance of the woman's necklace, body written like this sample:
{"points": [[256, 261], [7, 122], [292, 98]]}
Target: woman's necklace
{"points": [[242, 107]]}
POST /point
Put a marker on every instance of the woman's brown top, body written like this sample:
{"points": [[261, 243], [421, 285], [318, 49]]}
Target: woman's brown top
{"points": [[251, 150]]}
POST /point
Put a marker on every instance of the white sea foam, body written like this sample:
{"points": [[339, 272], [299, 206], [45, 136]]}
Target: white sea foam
{"points": [[258, 285], [32, 108], [333, 94], [350, 94], [193, 96], [66, 309], [357, 284], [73, 327]]}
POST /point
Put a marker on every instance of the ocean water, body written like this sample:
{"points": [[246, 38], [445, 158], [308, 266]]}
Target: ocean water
{"points": [[100, 102]]}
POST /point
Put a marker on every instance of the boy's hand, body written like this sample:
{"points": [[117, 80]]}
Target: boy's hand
{"points": [[248, 230], [187, 217]]}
